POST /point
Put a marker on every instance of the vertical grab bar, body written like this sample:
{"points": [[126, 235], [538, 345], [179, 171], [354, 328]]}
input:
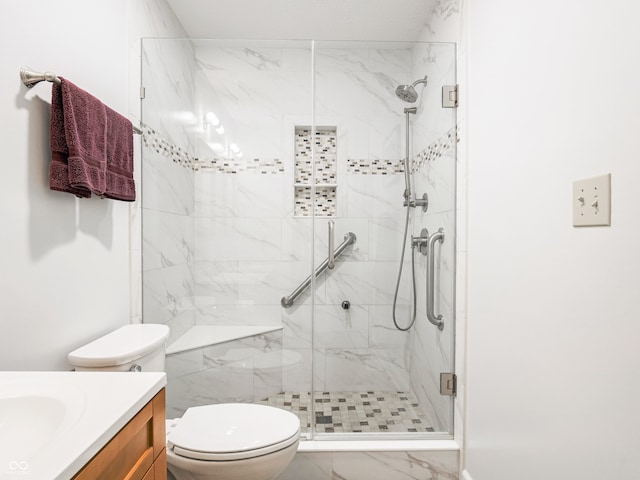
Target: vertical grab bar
{"points": [[431, 288], [331, 259]]}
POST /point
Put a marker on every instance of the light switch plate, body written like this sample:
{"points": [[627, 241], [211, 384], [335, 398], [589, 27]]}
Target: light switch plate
{"points": [[592, 201]]}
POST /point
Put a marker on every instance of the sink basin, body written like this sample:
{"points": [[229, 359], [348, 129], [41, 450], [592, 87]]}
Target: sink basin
{"points": [[31, 417], [53, 423]]}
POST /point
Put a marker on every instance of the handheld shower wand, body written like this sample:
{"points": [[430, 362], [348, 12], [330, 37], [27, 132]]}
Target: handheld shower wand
{"points": [[408, 93]]}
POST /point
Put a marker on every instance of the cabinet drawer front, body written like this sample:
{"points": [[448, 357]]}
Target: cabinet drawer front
{"points": [[131, 453]]}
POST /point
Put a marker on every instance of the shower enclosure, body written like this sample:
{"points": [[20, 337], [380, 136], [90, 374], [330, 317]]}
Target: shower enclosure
{"points": [[273, 192]]}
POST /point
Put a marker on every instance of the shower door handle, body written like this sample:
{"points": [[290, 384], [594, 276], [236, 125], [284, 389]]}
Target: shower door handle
{"points": [[331, 259], [431, 288]]}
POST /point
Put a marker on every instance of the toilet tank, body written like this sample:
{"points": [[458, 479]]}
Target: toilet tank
{"points": [[129, 347]]}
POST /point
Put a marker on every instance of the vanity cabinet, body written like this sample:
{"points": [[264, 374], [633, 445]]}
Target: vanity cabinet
{"points": [[137, 451]]}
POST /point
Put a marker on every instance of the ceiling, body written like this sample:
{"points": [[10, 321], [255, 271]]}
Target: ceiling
{"points": [[393, 20]]}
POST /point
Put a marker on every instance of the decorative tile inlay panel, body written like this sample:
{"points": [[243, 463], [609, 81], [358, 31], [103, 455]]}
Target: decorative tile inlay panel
{"points": [[303, 156], [325, 204], [323, 154]]}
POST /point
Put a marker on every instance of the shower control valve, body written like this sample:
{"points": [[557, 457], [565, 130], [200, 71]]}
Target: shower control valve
{"points": [[418, 202], [421, 242]]}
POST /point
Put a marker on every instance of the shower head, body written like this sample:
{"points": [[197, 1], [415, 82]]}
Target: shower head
{"points": [[407, 93]]}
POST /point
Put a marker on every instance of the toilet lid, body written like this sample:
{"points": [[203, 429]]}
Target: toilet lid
{"points": [[233, 431]]}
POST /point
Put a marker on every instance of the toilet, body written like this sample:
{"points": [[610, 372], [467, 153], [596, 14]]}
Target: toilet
{"points": [[224, 441]]}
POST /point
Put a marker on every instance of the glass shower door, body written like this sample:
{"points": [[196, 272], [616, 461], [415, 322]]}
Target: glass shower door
{"points": [[370, 378], [221, 244], [254, 151]]}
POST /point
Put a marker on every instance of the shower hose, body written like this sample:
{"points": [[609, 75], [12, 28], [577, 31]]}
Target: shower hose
{"points": [[413, 275]]}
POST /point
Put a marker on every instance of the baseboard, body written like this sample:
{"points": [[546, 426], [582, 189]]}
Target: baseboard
{"points": [[466, 476]]}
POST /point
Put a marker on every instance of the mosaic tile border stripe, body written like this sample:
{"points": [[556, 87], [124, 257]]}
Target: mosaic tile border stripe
{"points": [[325, 173], [436, 150], [433, 152], [154, 141], [235, 165], [374, 166]]}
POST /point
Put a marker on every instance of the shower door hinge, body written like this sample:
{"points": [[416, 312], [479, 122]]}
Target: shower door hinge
{"points": [[448, 384], [450, 96], [142, 92]]}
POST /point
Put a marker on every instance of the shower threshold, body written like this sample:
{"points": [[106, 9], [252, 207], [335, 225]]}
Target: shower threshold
{"points": [[354, 412]]}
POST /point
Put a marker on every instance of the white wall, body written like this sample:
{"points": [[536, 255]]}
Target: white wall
{"points": [[553, 310], [64, 261]]}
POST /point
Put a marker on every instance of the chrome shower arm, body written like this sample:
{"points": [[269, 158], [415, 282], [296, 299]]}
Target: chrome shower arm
{"points": [[422, 80]]}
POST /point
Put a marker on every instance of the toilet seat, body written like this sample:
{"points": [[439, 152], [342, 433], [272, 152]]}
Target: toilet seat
{"points": [[233, 431]]}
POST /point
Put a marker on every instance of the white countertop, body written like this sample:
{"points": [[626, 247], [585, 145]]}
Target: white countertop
{"points": [[82, 412]]}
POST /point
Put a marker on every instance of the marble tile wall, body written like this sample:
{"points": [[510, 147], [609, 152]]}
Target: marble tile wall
{"points": [[168, 236]]}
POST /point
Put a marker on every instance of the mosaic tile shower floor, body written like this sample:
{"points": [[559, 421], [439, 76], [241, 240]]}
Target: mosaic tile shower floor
{"points": [[355, 411]]}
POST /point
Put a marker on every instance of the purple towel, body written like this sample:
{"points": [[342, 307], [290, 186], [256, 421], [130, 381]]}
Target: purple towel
{"points": [[91, 146], [120, 184], [78, 141]]}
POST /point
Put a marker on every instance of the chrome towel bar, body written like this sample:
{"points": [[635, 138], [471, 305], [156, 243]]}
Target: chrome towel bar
{"points": [[349, 239], [30, 78]]}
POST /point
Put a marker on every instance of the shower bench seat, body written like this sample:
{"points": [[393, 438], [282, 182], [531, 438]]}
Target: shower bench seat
{"points": [[204, 335]]}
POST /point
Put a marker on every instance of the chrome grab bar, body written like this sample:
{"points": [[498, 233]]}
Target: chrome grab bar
{"points": [[431, 288], [349, 239], [331, 257]]}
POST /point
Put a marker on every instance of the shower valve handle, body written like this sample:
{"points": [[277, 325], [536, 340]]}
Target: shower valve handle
{"points": [[418, 202]]}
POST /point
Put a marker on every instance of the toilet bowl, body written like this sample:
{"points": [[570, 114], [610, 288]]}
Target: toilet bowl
{"points": [[225, 441], [232, 441]]}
